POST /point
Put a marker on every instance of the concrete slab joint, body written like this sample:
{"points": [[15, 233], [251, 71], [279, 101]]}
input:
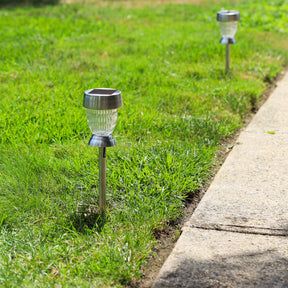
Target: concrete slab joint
{"points": [[237, 236]]}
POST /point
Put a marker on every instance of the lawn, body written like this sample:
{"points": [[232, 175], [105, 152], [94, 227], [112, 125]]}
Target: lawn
{"points": [[179, 108]]}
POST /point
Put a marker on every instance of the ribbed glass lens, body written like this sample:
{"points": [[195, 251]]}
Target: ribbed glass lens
{"points": [[228, 29], [102, 122]]}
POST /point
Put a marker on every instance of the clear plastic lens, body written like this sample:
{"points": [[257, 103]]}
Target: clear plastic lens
{"points": [[102, 122], [228, 29]]}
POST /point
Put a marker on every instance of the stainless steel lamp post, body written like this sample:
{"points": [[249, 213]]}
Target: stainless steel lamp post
{"points": [[228, 22], [102, 110]]}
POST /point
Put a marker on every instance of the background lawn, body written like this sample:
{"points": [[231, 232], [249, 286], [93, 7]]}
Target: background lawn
{"points": [[179, 107]]}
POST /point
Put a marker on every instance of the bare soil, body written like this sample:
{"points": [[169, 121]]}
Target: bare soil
{"points": [[169, 235]]}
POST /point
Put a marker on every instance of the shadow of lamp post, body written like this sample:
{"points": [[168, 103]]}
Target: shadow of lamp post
{"points": [[102, 110], [228, 22]]}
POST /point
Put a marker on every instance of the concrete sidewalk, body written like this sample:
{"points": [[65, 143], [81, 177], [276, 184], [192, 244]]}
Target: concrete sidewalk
{"points": [[238, 235]]}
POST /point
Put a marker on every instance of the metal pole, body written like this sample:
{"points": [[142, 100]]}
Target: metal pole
{"points": [[102, 179], [227, 57]]}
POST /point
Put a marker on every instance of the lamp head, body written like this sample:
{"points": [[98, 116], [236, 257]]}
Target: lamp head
{"points": [[228, 20], [102, 111]]}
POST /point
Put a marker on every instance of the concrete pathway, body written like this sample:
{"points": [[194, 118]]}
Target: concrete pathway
{"points": [[238, 235]]}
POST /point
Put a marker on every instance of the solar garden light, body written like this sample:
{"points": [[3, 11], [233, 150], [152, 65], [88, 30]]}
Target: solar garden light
{"points": [[102, 110], [228, 20]]}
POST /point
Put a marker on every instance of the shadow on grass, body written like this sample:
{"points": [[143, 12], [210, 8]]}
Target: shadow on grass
{"points": [[25, 3], [87, 217]]}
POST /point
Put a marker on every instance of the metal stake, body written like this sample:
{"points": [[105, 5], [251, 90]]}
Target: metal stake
{"points": [[227, 58], [102, 179]]}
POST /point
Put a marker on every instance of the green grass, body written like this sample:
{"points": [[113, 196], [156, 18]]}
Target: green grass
{"points": [[179, 106]]}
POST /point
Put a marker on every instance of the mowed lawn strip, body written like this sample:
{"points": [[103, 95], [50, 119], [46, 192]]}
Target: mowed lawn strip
{"points": [[179, 106]]}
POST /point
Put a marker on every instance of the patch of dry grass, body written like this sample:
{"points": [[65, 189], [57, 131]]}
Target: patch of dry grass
{"points": [[140, 3]]}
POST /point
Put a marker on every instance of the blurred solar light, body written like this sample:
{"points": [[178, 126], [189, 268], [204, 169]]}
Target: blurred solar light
{"points": [[228, 22]]}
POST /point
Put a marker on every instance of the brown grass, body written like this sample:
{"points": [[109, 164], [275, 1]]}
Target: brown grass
{"points": [[138, 3]]}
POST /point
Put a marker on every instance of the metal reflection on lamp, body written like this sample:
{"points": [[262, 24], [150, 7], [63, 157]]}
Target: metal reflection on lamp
{"points": [[102, 111]]}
